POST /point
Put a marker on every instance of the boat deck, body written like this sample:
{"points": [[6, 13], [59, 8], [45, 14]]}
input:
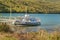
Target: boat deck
{"points": [[8, 19]]}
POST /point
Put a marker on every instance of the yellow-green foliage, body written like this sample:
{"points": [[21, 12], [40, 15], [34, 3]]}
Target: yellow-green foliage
{"points": [[29, 6]]}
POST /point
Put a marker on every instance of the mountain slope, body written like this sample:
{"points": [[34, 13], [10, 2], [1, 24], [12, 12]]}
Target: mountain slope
{"points": [[29, 6]]}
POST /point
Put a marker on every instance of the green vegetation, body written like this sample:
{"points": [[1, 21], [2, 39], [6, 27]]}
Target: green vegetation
{"points": [[39, 6]]}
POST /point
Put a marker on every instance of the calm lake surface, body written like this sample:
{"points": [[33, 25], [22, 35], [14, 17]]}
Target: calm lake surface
{"points": [[48, 21]]}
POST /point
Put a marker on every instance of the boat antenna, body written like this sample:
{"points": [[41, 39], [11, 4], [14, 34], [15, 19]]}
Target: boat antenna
{"points": [[10, 10], [26, 9], [26, 15]]}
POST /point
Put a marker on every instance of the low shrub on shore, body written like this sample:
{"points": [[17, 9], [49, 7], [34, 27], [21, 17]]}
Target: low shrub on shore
{"points": [[4, 27]]}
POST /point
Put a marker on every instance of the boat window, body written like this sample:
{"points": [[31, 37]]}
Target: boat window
{"points": [[32, 19]]}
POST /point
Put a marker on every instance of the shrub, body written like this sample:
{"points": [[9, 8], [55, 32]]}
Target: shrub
{"points": [[4, 27]]}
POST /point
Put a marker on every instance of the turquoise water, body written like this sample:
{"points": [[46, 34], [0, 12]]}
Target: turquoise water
{"points": [[48, 21]]}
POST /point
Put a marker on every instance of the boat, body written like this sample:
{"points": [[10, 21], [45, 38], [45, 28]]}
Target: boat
{"points": [[27, 20]]}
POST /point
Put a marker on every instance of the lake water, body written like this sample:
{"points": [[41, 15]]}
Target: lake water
{"points": [[48, 21]]}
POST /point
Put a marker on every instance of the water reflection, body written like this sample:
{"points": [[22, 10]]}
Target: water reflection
{"points": [[25, 29], [32, 28]]}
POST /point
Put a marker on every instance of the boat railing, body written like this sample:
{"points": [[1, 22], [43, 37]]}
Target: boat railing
{"points": [[4, 19], [8, 19]]}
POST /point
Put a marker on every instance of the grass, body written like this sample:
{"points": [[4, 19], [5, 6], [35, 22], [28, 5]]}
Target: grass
{"points": [[6, 36], [40, 35]]}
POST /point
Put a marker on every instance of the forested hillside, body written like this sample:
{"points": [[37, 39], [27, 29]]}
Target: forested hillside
{"points": [[39, 6]]}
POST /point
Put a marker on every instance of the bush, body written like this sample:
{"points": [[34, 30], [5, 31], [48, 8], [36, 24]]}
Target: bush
{"points": [[4, 27]]}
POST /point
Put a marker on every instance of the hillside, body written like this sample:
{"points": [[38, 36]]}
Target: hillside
{"points": [[40, 6]]}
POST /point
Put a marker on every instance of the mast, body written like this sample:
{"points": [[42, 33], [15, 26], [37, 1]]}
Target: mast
{"points": [[26, 15], [10, 11], [26, 9]]}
